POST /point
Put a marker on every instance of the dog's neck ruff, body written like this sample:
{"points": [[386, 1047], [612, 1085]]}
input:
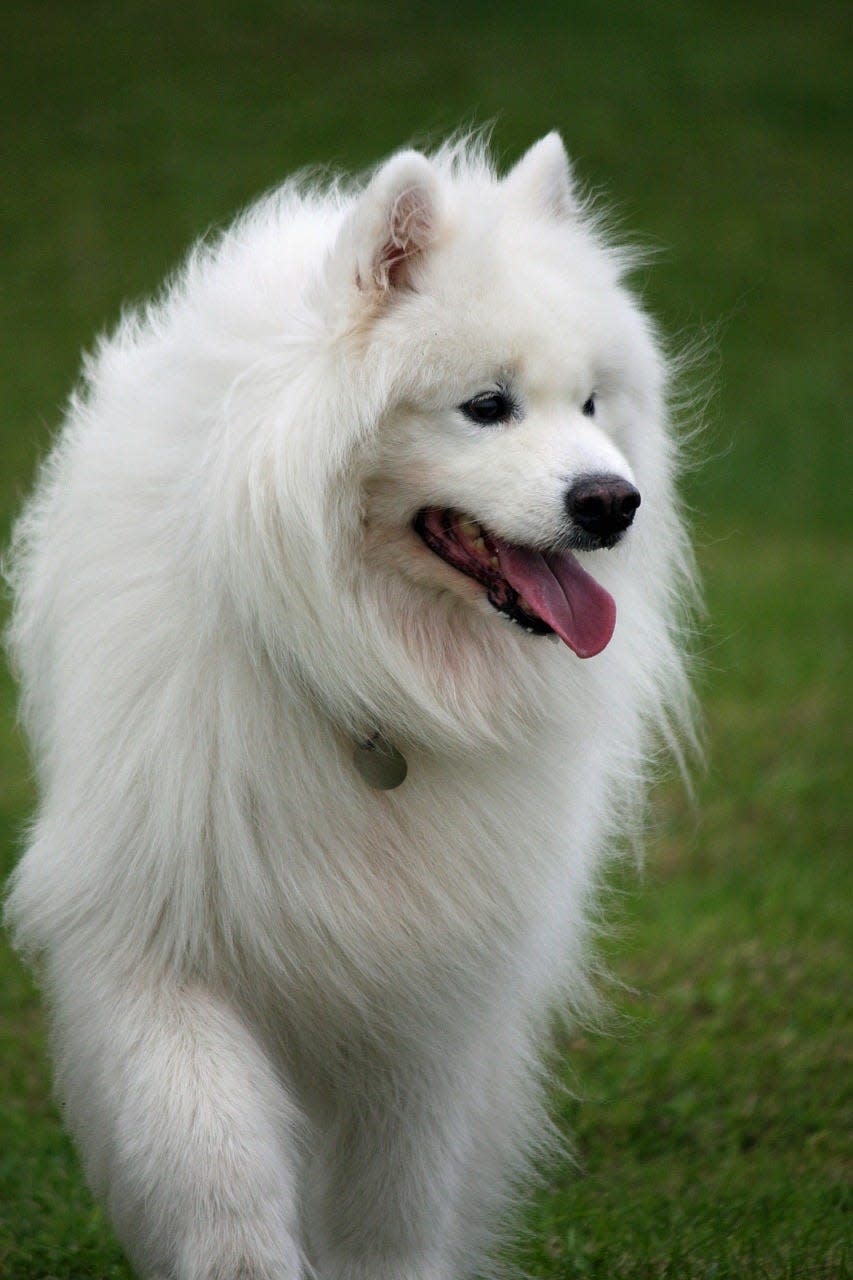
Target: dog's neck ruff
{"points": [[379, 762]]}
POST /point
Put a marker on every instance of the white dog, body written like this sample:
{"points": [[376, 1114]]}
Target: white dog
{"points": [[322, 810]]}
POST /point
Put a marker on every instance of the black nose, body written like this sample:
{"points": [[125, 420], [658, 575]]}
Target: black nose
{"points": [[603, 506]]}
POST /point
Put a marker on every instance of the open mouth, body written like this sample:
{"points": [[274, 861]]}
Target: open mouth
{"points": [[544, 592]]}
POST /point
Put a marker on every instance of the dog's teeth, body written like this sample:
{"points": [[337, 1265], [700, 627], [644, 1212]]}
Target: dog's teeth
{"points": [[495, 562], [479, 544], [469, 529]]}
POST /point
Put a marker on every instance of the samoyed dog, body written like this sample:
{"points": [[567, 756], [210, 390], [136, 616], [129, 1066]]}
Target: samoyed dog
{"points": [[347, 615]]}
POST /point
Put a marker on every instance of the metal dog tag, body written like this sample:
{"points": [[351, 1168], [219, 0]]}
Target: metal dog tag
{"points": [[380, 763]]}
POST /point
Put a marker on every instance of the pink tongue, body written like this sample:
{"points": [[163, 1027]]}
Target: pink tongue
{"points": [[562, 594]]}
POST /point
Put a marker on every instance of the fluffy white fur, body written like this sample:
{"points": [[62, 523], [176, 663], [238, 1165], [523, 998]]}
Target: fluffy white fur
{"points": [[296, 1019]]}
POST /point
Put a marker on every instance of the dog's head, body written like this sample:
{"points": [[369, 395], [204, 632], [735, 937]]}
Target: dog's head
{"points": [[496, 444]]}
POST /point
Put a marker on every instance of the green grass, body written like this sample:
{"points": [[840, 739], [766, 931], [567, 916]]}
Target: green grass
{"points": [[710, 1119]]}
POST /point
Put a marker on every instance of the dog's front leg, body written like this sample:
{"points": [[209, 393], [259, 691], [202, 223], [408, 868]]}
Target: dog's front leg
{"points": [[384, 1185], [186, 1131]]}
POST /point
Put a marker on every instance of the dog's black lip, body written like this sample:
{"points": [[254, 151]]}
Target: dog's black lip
{"points": [[501, 595], [578, 540]]}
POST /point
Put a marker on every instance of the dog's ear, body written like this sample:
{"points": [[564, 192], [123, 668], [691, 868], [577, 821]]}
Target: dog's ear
{"points": [[543, 178], [391, 226]]}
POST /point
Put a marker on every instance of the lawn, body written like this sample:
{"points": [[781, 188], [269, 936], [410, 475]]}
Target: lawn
{"points": [[710, 1113]]}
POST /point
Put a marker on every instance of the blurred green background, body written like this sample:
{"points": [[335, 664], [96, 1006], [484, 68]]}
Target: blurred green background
{"points": [[710, 1118]]}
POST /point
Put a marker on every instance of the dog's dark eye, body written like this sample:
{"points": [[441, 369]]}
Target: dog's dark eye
{"points": [[489, 408], [588, 410]]}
